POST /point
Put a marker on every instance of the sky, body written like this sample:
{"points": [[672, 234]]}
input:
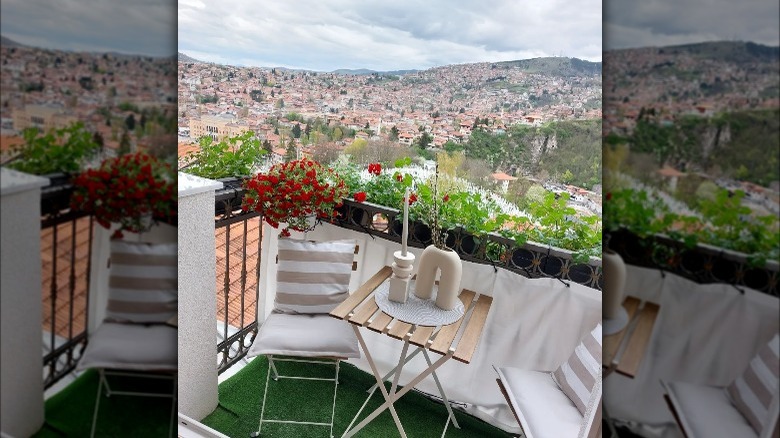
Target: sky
{"points": [[144, 27], [387, 35], [673, 22]]}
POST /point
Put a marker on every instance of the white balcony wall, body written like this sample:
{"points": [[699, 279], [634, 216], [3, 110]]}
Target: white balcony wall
{"points": [[21, 404]]}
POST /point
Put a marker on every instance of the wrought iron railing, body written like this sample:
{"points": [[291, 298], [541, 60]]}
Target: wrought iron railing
{"points": [[238, 237], [702, 263], [66, 250], [531, 260], [238, 241]]}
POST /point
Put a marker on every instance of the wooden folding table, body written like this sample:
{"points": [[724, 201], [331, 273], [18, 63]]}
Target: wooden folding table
{"points": [[624, 350], [458, 340]]}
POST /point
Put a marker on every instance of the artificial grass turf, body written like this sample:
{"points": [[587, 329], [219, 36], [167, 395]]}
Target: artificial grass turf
{"points": [[69, 412], [241, 396]]}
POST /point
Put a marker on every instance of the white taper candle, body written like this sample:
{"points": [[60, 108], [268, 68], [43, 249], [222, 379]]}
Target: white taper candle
{"points": [[405, 233]]}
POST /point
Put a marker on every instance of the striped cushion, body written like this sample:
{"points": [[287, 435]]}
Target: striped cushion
{"points": [[313, 277], [577, 376], [752, 392], [142, 283]]}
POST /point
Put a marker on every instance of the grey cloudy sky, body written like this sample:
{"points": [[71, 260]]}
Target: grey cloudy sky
{"points": [[146, 27], [402, 34], [672, 22]]}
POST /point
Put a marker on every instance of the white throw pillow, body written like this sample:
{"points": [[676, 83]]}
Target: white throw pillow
{"points": [[752, 392], [313, 277], [143, 282], [577, 376]]}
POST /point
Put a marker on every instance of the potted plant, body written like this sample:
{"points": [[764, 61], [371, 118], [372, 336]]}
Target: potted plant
{"points": [[134, 191], [56, 154], [438, 257], [235, 157], [293, 193]]}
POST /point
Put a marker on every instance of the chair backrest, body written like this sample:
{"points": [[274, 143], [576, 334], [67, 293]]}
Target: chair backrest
{"points": [[354, 263]]}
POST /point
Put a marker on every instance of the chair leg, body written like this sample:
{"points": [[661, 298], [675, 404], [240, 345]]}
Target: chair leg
{"points": [[273, 367], [335, 391], [97, 403], [265, 394]]}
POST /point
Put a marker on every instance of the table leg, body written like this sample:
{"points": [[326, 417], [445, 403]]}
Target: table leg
{"points": [[400, 366], [388, 399], [372, 389], [443, 395], [387, 376]]}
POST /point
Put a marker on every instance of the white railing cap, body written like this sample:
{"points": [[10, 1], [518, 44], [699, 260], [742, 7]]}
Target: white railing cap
{"points": [[192, 185], [13, 181]]}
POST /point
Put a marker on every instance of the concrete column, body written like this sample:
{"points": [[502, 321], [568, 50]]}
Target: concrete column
{"points": [[197, 297], [21, 373]]}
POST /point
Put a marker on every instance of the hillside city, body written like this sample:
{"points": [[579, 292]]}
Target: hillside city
{"points": [[700, 79], [126, 101], [709, 108], [443, 101]]}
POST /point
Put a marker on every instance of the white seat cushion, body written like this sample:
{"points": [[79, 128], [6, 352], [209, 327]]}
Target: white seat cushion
{"points": [[314, 335], [544, 410], [706, 411], [131, 347]]}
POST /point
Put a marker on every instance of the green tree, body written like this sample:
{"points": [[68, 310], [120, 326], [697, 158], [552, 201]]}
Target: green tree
{"points": [[394, 133], [236, 156], [124, 144], [567, 177], [130, 122], [296, 130], [290, 153], [423, 141]]}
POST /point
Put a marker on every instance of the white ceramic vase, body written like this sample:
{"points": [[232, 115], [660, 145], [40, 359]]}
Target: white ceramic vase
{"points": [[614, 272], [433, 260]]}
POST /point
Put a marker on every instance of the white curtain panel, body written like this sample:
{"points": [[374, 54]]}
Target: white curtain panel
{"points": [[533, 324], [705, 334]]}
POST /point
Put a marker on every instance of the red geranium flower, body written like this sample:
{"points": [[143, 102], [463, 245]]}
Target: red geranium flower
{"points": [[412, 198], [375, 168], [126, 190], [360, 196], [292, 192]]}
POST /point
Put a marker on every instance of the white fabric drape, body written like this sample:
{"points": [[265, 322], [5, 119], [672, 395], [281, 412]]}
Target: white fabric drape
{"points": [[533, 324], [705, 333]]}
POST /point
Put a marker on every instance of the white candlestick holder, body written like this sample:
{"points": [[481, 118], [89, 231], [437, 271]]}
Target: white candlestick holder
{"points": [[402, 275]]}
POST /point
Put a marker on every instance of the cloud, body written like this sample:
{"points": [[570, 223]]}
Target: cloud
{"points": [[666, 22], [139, 27], [388, 35]]}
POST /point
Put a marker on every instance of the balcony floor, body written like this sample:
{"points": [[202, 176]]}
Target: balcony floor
{"points": [[241, 395], [69, 412]]}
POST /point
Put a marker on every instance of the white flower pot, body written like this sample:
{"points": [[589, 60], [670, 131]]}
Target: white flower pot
{"points": [[433, 260]]}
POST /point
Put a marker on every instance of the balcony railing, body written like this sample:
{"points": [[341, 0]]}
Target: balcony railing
{"points": [[238, 241], [702, 263], [66, 251]]}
